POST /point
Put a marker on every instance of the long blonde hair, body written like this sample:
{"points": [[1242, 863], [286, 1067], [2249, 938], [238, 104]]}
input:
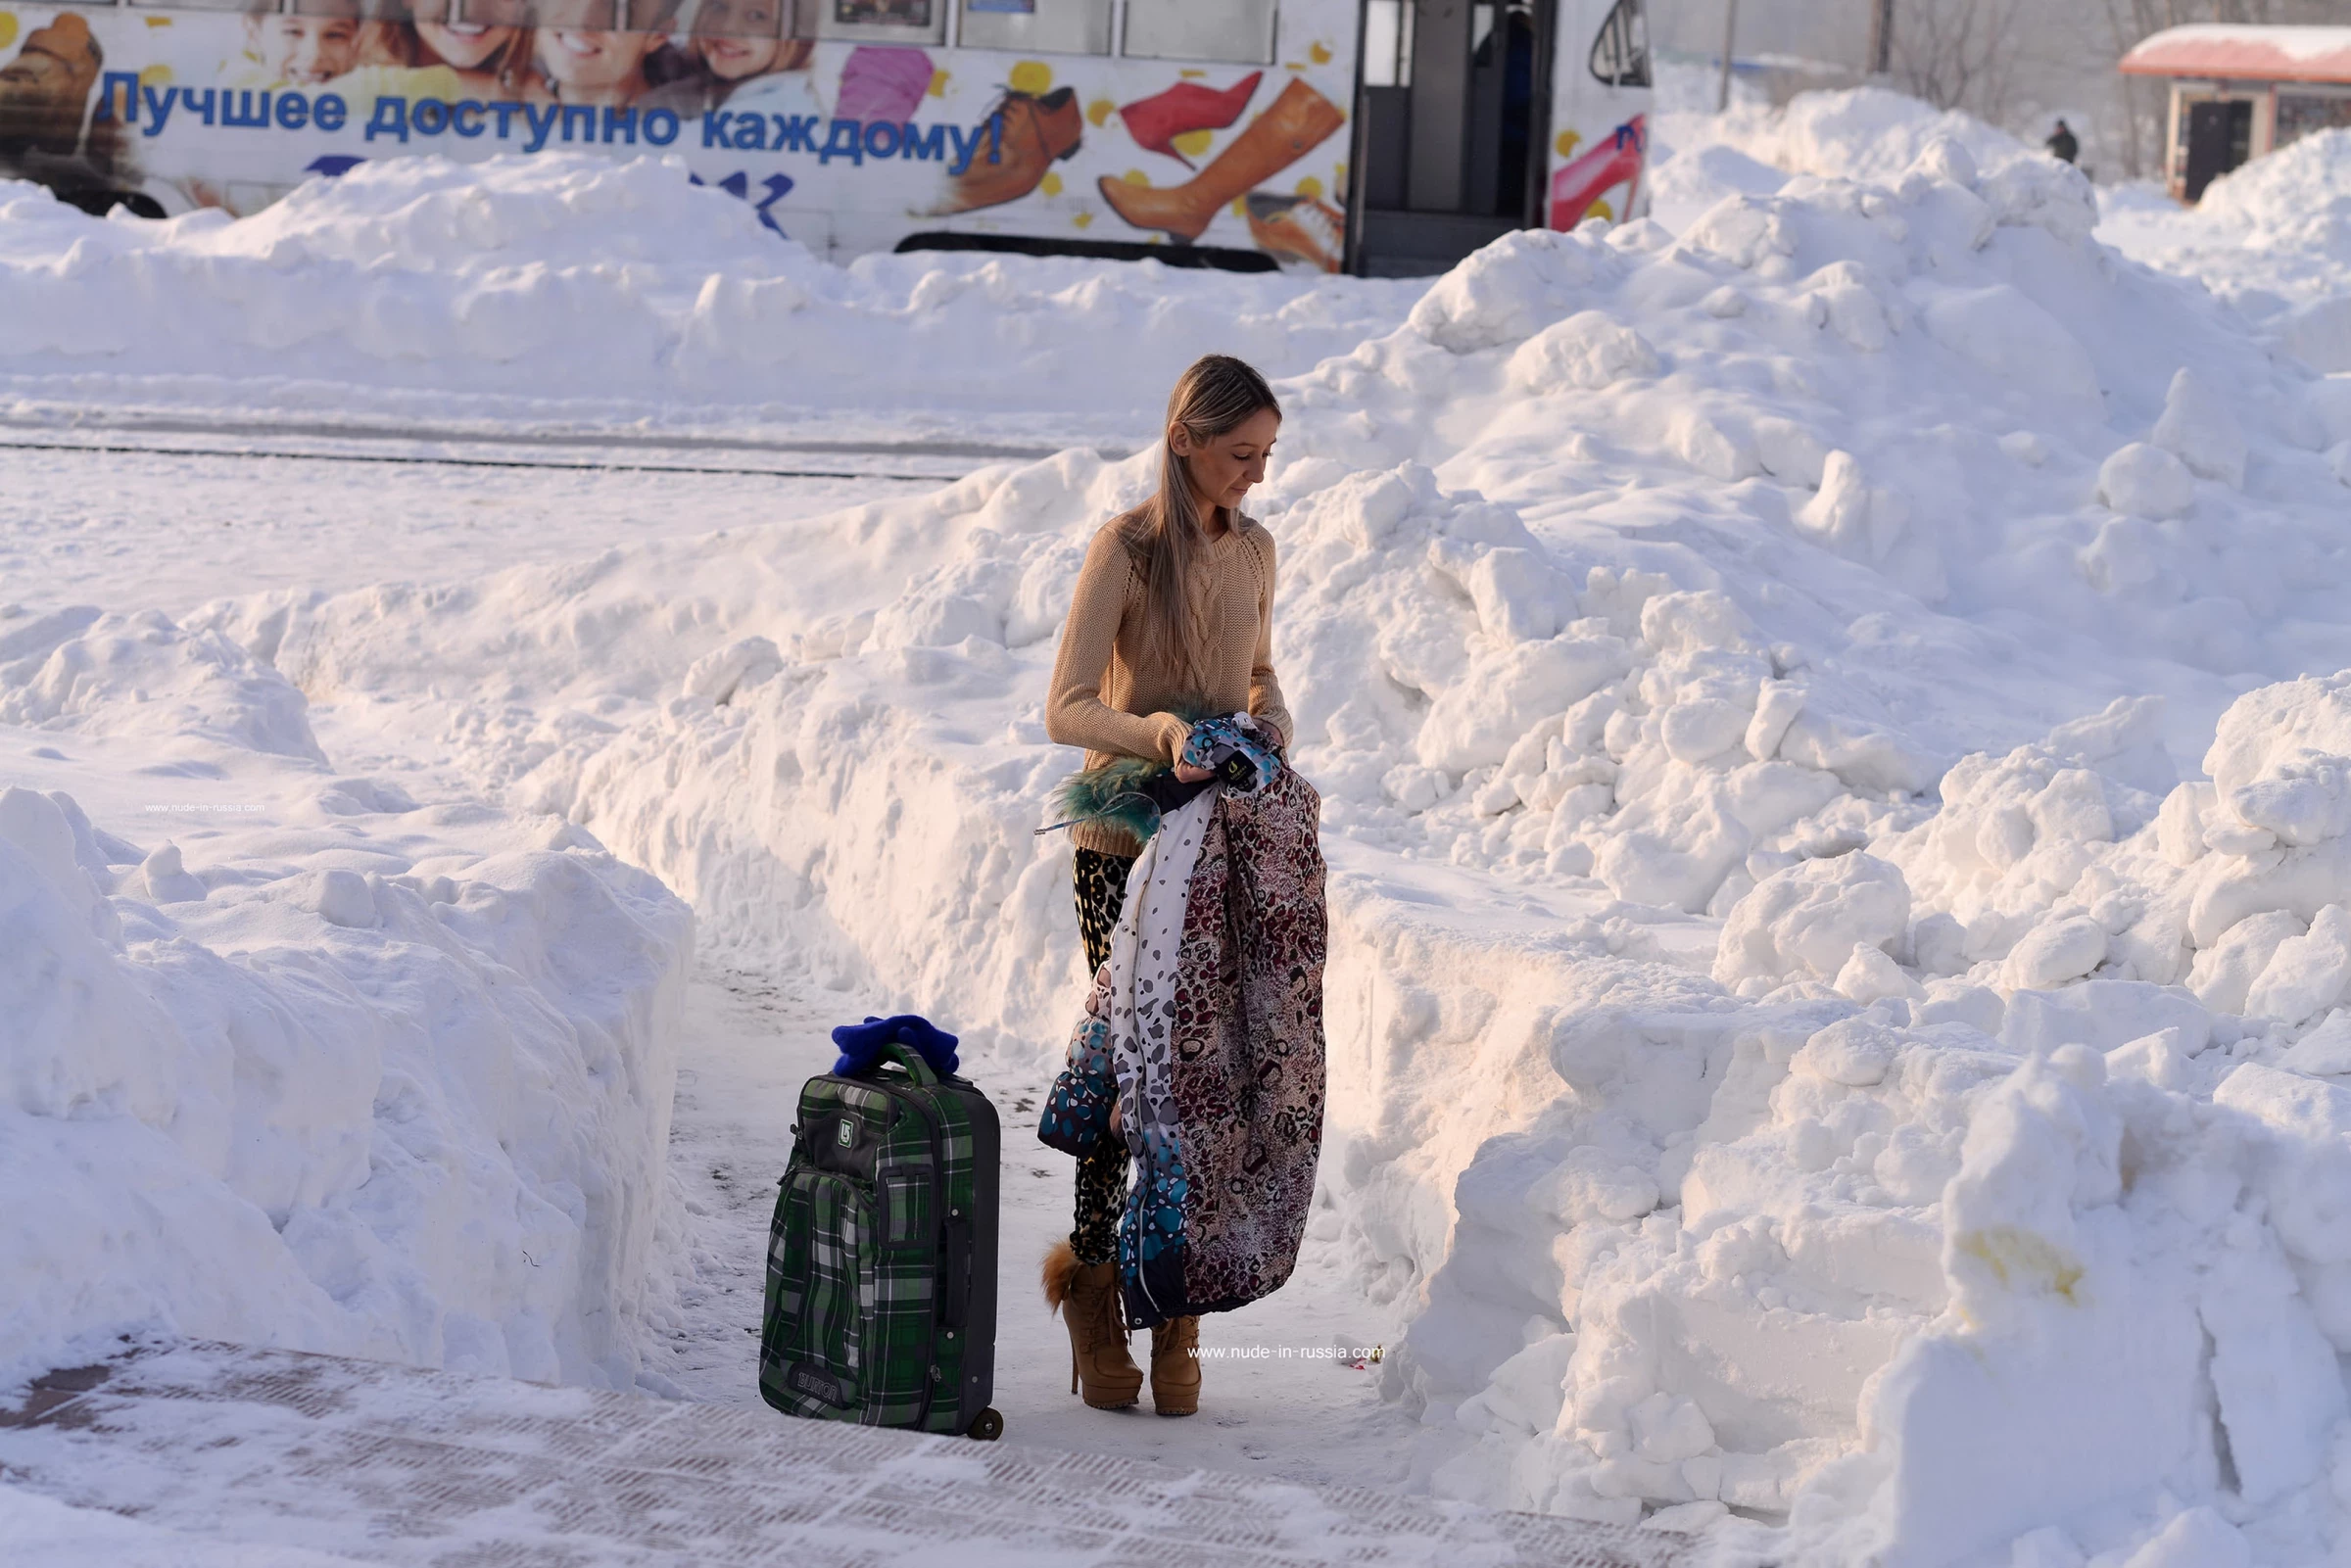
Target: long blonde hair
{"points": [[1167, 533]]}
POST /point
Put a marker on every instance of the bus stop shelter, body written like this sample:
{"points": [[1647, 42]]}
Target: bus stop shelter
{"points": [[2241, 91]]}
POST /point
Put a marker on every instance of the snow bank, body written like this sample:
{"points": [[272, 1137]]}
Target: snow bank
{"points": [[1860, 133], [570, 277], [326, 1068], [1788, 1016], [2295, 200], [2274, 238]]}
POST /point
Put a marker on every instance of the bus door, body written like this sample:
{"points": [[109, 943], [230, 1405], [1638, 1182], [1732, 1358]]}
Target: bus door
{"points": [[2220, 138], [1453, 118], [1478, 116]]}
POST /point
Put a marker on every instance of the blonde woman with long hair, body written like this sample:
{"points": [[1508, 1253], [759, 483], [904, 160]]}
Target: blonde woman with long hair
{"points": [[1172, 621]]}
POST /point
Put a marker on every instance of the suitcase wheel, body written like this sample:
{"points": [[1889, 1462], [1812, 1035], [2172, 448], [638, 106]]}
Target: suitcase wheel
{"points": [[986, 1426]]}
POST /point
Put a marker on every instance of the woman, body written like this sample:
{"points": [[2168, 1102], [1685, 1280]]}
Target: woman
{"points": [[1172, 614]]}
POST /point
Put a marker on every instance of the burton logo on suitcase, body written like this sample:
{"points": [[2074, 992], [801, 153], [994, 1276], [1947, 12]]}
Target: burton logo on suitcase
{"points": [[881, 1263]]}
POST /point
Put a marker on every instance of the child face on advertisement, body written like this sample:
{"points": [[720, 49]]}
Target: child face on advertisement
{"points": [[467, 38], [303, 50], [585, 58], [738, 38]]}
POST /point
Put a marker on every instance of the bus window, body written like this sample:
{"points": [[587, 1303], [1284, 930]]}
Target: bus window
{"points": [[390, 11], [577, 15], [1046, 26], [482, 13], [741, 19], [1620, 54], [1237, 31], [1388, 43], [907, 21]]}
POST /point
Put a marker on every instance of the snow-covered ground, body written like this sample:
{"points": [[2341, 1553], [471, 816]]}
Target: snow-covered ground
{"points": [[1805, 1065], [171, 532]]}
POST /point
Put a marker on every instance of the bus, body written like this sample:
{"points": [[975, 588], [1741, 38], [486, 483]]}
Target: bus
{"points": [[1381, 138]]}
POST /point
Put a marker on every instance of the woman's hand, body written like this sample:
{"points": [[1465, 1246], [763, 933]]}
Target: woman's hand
{"points": [[1185, 772]]}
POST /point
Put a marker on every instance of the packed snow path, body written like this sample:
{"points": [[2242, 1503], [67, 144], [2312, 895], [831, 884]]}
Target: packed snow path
{"points": [[1277, 1396], [213, 1455], [170, 532]]}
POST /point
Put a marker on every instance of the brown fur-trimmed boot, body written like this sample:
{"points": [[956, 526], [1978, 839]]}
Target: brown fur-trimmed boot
{"points": [[1087, 1295], [1175, 1366]]}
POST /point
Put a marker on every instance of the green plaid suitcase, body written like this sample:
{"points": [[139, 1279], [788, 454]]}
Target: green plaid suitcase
{"points": [[881, 1263]]}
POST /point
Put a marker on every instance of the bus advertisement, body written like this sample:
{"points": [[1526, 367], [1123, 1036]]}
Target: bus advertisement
{"points": [[1371, 135]]}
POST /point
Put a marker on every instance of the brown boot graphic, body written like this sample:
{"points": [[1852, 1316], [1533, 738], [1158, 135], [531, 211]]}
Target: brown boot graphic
{"points": [[1300, 226], [43, 91], [1019, 141], [1295, 123]]}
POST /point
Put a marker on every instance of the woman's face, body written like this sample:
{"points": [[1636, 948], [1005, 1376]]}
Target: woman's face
{"points": [[463, 45], [738, 38], [1224, 468], [580, 52]]}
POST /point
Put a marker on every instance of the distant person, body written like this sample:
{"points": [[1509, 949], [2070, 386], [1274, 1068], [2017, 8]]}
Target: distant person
{"points": [[2062, 144]]}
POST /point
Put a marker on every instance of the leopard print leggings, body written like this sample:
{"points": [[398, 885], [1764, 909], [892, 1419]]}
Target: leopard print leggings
{"points": [[1102, 1175]]}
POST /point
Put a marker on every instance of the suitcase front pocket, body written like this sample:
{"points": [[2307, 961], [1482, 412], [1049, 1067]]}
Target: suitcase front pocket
{"points": [[824, 1258]]}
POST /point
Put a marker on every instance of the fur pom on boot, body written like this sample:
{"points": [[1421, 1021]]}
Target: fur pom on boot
{"points": [[1086, 1296]]}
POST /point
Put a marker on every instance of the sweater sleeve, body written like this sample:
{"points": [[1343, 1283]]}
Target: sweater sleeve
{"points": [[1074, 713], [1264, 687]]}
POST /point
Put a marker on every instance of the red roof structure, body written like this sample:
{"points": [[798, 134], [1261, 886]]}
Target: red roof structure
{"points": [[2245, 52]]}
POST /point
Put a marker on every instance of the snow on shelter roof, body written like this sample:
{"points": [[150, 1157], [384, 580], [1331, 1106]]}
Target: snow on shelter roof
{"points": [[2245, 52]]}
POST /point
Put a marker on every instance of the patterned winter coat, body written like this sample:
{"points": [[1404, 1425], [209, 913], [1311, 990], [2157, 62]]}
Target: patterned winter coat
{"points": [[1207, 1023]]}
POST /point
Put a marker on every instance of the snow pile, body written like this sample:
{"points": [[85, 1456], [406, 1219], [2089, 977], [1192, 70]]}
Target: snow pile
{"points": [[328, 1067], [2295, 200], [1858, 134], [568, 275], [2272, 237], [1985, 1220]]}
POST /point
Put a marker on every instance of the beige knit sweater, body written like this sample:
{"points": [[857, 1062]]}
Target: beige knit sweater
{"points": [[1103, 700]]}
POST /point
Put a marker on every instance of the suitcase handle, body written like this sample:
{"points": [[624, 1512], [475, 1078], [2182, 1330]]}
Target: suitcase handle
{"points": [[957, 1302], [908, 1056]]}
